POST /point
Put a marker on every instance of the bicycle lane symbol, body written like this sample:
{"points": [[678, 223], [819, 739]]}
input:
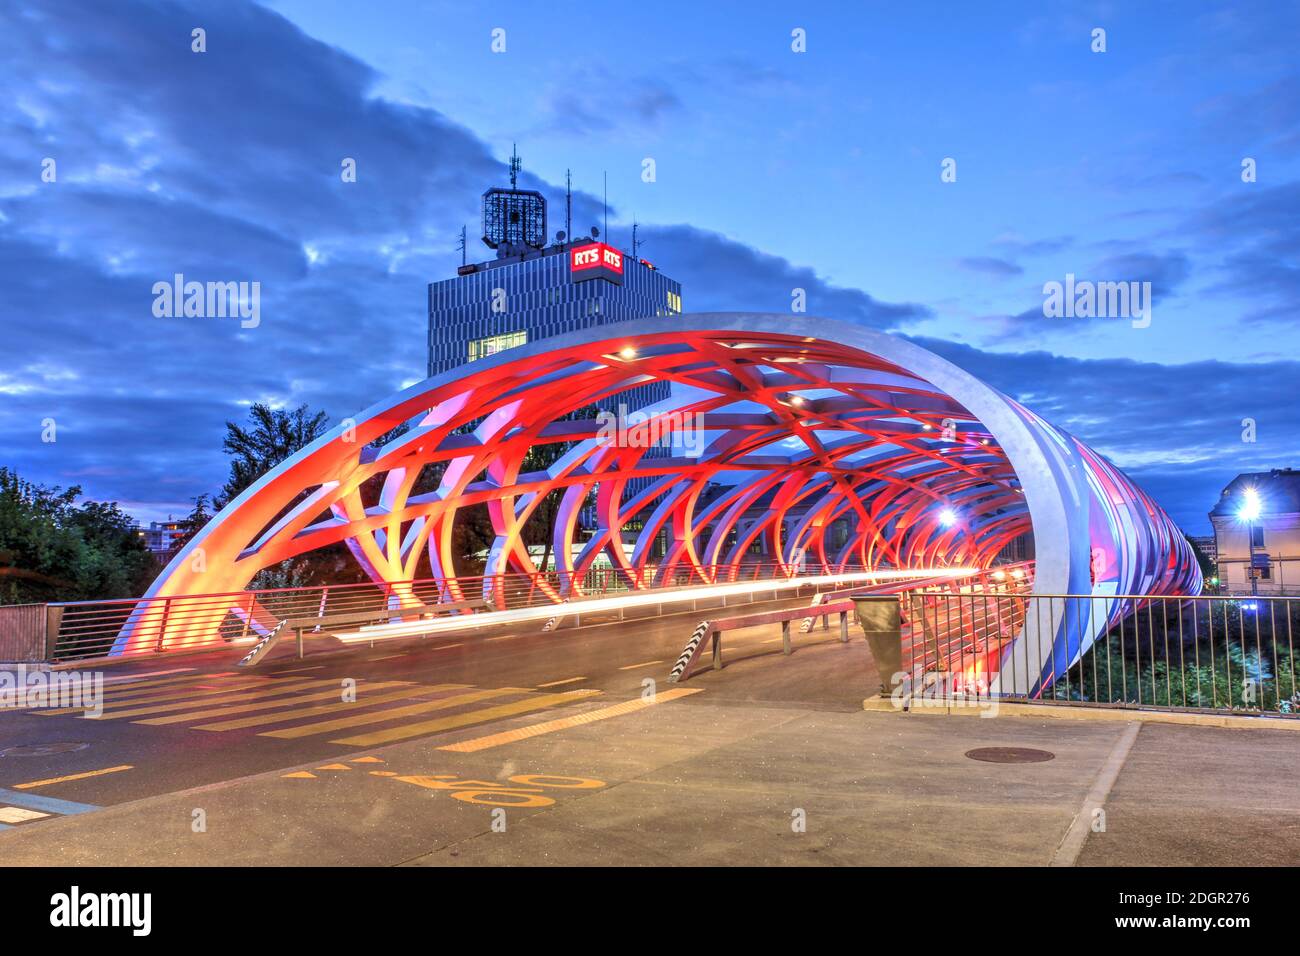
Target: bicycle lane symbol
{"points": [[529, 789]]}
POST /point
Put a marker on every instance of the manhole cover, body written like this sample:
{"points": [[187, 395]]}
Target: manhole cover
{"points": [[42, 750], [1009, 755]]}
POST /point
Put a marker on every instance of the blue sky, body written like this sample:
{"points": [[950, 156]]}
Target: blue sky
{"points": [[775, 169]]}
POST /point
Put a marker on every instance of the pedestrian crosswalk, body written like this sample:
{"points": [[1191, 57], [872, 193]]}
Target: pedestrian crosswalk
{"points": [[354, 713]]}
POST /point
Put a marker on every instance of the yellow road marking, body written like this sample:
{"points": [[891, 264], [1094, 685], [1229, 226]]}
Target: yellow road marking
{"points": [[275, 689], [464, 720], [331, 708], [443, 647], [112, 701], [71, 776], [367, 760], [141, 685], [564, 723], [335, 766], [135, 677], [507, 637], [292, 700], [298, 670], [632, 667], [183, 685], [567, 680], [20, 815], [375, 717], [298, 775]]}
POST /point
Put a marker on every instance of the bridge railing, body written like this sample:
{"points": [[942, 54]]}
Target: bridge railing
{"points": [[1210, 653], [132, 626], [837, 602]]}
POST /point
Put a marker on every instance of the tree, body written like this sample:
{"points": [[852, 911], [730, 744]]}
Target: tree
{"points": [[269, 437], [192, 523], [51, 549]]}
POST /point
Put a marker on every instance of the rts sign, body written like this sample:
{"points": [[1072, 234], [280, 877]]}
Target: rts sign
{"points": [[596, 261]]}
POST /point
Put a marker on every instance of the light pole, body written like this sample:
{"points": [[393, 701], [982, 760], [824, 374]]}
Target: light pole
{"points": [[1249, 512]]}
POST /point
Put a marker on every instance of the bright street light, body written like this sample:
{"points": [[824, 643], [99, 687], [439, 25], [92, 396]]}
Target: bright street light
{"points": [[1250, 508], [947, 517]]}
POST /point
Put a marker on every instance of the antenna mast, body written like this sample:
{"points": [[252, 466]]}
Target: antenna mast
{"points": [[461, 245], [568, 205], [606, 206], [514, 166]]}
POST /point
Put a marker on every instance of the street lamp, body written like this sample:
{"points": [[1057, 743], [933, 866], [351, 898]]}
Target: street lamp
{"points": [[947, 518], [1249, 513]]}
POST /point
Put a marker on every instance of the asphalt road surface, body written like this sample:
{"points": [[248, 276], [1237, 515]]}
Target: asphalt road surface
{"points": [[518, 746]]}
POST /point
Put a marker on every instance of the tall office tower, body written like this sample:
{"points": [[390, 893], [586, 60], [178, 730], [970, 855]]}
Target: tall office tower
{"points": [[532, 291]]}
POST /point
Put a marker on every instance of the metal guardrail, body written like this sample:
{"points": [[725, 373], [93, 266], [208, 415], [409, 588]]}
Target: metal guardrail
{"points": [[87, 629], [1210, 653], [828, 603], [712, 631]]}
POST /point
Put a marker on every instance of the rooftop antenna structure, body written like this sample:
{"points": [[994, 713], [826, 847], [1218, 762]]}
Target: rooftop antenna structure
{"points": [[461, 245], [636, 243], [568, 202], [606, 201], [514, 219]]}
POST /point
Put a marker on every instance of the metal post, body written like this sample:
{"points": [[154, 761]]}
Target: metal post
{"points": [[717, 650], [299, 631], [1250, 553], [844, 627], [162, 629], [53, 621], [785, 636]]}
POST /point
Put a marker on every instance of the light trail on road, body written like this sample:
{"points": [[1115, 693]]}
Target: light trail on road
{"points": [[633, 599]]}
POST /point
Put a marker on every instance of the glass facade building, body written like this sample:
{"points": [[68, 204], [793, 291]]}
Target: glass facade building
{"points": [[517, 299]]}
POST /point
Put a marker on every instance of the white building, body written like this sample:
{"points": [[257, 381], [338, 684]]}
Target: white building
{"points": [[1275, 532]]}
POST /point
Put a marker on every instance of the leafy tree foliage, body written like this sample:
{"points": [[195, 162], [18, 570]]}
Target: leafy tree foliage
{"points": [[269, 437], [52, 549]]}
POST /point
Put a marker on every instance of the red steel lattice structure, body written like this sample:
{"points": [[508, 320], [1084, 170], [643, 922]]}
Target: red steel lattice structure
{"points": [[781, 429]]}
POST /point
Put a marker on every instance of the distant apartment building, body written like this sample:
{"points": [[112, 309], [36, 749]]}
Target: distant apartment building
{"points": [[1266, 545], [160, 537]]}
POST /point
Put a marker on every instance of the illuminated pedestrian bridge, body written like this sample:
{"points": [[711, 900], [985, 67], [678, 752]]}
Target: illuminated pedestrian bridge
{"points": [[819, 445]]}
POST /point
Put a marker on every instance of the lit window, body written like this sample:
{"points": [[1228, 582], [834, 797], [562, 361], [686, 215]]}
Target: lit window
{"points": [[482, 348]]}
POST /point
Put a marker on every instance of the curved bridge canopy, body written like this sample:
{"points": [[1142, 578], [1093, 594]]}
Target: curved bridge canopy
{"points": [[827, 445]]}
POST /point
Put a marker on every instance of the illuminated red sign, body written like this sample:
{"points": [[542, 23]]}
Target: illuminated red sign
{"points": [[596, 261]]}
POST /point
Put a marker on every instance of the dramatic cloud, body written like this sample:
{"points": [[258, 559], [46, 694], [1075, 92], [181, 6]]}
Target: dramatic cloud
{"points": [[1176, 429], [225, 166], [989, 265]]}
